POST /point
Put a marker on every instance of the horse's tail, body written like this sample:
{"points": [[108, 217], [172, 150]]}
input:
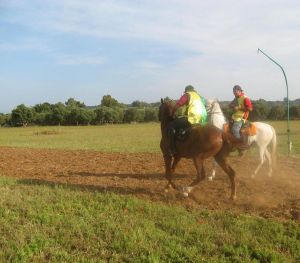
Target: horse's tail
{"points": [[273, 148]]}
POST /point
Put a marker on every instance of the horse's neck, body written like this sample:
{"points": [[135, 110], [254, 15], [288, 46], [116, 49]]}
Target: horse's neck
{"points": [[217, 119], [164, 128]]}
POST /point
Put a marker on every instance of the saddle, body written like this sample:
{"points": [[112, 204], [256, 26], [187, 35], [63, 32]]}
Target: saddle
{"points": [[183, 134], [248, 129]]}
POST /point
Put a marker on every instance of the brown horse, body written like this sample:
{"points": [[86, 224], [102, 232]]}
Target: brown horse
{"points": [[202, 142]]}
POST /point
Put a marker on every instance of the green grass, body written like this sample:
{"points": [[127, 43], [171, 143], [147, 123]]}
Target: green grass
{"points": [[40, 222], [108, 138], [281, 131], [43, 222], [114, 138]]}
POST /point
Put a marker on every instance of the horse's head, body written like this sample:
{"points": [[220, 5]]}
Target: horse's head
{"points": [[213, 106], [215, 113], [165, 112]]}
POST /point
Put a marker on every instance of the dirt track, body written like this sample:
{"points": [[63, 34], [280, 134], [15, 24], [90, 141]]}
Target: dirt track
{"points": [[141, 175]]}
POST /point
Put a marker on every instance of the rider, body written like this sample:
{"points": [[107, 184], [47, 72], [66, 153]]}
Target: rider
{"points": [[195, 113], [242, 106]]}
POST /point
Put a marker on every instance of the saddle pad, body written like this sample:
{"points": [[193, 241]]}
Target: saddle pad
{"points": [[226, 128], [250, 130]]}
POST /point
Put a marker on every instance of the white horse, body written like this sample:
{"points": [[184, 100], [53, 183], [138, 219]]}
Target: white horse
{"points": [[265, 136]]}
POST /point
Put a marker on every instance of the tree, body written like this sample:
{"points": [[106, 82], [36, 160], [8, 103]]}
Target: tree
{"points": [[151, 114], [21, 115], [140, 115], [42, 107], [58, 114], [295, 112], [109, 101], [77, 116], [139, 104], [99, 113], [107, 115], [4, 118], [71, 102], [261, 110], [276, 113], [40, 118], [130, 115], [119, 114]]}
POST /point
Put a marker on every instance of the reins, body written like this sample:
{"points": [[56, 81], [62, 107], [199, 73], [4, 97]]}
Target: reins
{"points": [[210, 113]]}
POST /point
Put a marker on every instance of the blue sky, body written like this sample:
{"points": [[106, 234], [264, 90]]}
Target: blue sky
{"points": [[144, 50]]}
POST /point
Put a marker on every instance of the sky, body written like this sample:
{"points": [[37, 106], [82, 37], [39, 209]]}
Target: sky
{"points": [[52, 50]]}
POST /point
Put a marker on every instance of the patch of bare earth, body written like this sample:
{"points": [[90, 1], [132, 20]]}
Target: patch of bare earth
{"points": [[142, 175]]}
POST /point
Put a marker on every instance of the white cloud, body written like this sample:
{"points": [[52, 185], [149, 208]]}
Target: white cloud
{"points": [[219, 26], [80, 60], [25, 44], [223, 34]]}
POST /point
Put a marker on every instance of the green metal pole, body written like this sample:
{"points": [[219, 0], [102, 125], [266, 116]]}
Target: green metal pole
{"points": [[288, 101]]}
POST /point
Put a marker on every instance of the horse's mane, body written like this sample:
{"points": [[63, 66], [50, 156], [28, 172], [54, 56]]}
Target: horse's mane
{"points": [[213, 106], [165, 109], [215, 114]]}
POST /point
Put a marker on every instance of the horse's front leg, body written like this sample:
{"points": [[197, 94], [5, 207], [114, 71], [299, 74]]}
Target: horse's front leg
{"points": [[198, 162], [213, 171], [168, 172], [222, 161], [174, 164]]}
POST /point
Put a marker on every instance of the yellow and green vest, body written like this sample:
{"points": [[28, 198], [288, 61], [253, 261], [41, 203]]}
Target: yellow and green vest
{"points": [[196, 111], [239, 114]]}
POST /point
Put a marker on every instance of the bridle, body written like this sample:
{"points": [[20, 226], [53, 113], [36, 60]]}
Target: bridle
{"points": [[209, 112]]}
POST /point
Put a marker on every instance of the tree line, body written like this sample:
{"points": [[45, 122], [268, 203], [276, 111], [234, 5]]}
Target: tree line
{"points": [[74, 112], [109, 111]]}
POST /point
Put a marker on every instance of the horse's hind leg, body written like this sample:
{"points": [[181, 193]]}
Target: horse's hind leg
{"points": [[213, 172], [268, 155], [262, 151], [198, 162], [221, 160]]}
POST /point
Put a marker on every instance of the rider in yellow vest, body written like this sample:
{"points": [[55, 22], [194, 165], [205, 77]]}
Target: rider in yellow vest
{"points": [[242, 106], [195, 113]]}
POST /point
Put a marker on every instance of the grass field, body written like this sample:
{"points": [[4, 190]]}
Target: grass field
{"points": [[52, 223], [60, 223], [114, 138], [108, 138]]}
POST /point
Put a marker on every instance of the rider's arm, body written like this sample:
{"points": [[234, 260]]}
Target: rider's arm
{"points": [[248, 104], [233, 104], [182, 101], [247, 108]]}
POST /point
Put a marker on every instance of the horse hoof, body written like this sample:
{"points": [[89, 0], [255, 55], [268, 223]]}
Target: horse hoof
{"points": [[187, 189], [210, 178], [168, 188], [185, 194], [232, 197], [252, 176]]}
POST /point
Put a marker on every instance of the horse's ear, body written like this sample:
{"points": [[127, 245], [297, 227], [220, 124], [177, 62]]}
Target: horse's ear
{"points": [[162, 101]]}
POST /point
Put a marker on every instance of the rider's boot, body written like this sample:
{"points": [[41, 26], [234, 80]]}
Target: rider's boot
{"points": [[241, 152], [239, 143]]}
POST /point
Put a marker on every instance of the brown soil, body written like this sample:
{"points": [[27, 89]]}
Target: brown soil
{"points": [[142, 175]]}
